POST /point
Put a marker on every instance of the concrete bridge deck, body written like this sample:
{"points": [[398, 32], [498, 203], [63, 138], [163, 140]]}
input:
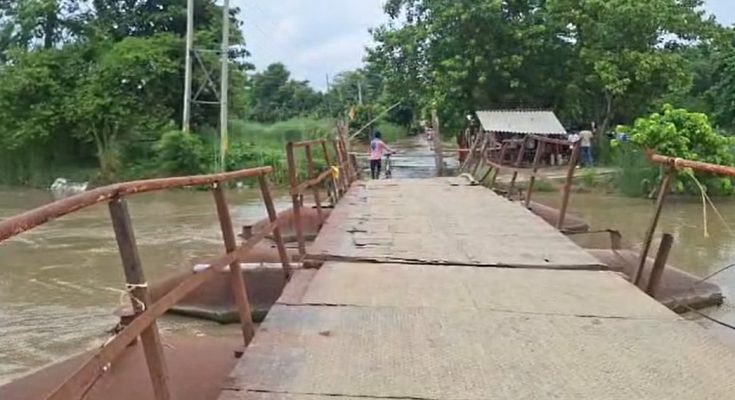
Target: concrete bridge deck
{"points": [[440, 290]]}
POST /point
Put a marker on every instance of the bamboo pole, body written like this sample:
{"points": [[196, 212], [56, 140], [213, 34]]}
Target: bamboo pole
{"points": [[662, 192]]}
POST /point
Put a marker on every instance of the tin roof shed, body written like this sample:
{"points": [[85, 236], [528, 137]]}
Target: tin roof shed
{"points": [[521, 122]]}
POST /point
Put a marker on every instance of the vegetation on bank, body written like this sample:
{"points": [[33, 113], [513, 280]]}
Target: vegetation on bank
{"points": [[96, 88]]}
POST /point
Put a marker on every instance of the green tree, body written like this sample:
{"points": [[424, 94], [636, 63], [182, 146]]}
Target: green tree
{"points": [[276, 97], [680, 133]]}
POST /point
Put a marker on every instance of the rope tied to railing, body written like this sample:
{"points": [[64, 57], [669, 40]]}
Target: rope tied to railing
{"points": [[128, 292]]}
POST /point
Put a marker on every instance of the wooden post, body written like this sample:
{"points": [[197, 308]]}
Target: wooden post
{"points": [[315, 189], [519, 160], [239, 290], [503, 148], [470, 155], [438, 155], [342, 168], [568, 185], [295, 199], [141, 299], [659, 264], [662, 192], [481, 156], [331, 189], [534, 171], [273, 217]]}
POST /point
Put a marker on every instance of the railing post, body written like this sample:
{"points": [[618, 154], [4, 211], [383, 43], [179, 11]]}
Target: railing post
{"points": [[273, 217], [141, 299], [503, 149], [312, 174], [662, 192], [659, 264], [239, 290], [568, 185], [333, 191], [295, 199], [471, 154], [519, 160], [342, 167], [481, 155], [534, 170]]}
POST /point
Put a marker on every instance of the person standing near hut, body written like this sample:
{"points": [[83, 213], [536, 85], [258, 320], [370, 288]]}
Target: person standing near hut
{"points": [[585, 137]]}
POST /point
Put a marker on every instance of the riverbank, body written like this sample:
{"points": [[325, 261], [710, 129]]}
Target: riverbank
{"points": [[251, 144]]}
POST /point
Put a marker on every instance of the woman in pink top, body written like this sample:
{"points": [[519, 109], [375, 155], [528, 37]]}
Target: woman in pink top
{"points": [[377, 148]]}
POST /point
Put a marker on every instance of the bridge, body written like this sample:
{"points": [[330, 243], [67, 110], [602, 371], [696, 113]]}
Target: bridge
{"points": [[426, 289], [440, 289]]}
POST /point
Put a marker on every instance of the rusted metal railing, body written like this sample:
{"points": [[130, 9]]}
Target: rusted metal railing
{"points": [[671, 165], [342, 175], [483, 148], [144, 323]]}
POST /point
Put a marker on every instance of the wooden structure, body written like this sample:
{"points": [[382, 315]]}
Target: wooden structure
{"points": [[338, 175], [146, 311], [488, 153]]}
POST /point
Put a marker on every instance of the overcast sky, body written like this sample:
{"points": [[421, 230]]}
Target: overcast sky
{"points": [[318, 37]]}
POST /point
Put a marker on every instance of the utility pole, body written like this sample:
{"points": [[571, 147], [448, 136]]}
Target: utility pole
{"points": [[225, 83], [359, 92], [188, 74]]}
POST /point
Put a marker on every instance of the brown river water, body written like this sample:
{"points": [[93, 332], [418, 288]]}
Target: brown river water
{"points": [[61, 282]]}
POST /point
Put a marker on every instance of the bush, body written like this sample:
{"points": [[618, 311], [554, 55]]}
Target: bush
{"points": [[180, 153], [675, 133]]}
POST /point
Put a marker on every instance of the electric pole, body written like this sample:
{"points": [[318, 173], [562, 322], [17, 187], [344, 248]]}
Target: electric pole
{"points": [[225, 83], [188, 69]]}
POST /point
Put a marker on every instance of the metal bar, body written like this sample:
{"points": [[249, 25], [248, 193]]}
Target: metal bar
{"points": [[662, 192], [659, 264], [331, 189], [481, 155], [532, 180], [551, 140], [568, 185], [503, 149], [140, 298], [680, 163], [314, 188], [342, 165], [207, 75], [311, 183], [468, 161], [306, 143], [295, 199], [273, 216], [239, 290], [517, 164], [30, 219], [85, 376]]}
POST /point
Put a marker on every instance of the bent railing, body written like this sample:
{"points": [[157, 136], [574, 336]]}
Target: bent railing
{"points": [[487, 151], [146, 313], [341, 172]]}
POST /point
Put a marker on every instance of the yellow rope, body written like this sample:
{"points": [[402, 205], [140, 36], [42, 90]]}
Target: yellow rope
{"points": [[706, 198]]}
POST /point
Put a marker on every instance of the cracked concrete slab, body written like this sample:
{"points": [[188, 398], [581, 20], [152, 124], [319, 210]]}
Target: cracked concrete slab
{"points": [[472, 354], [431, 221], [588, 293]]}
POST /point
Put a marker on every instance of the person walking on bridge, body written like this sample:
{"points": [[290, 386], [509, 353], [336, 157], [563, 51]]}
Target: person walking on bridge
{"points": [[377, 148]]}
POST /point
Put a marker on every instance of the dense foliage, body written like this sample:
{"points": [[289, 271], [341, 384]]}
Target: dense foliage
{"points": [[98, 84], [684, 134], [589, 60]]}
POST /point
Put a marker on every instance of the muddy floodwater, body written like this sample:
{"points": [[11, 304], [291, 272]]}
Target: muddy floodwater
{"points": [[61, 282]]}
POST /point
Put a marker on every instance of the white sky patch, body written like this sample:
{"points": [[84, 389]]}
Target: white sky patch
{"points": [[317, 37]]}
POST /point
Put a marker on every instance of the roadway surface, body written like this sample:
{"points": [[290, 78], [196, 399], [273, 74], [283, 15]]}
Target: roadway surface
{"points": [[435, 289]]}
